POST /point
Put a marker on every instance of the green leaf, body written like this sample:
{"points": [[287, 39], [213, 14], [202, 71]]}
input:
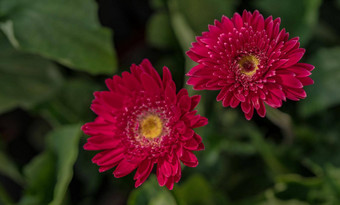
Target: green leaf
{"points": [[163, 198], [40, 179], [4, 197], [324, 93], [64, 143], [195, 191], [185, 35], [332, 182], [9, 169], [49, 174], [299, 21], [62, 30], [159, 31], [283, 121], [25, 79], [200, 13], [295, 178], [267, 152], [150, 193], [272, 200], [66, 107], [158, 4]]}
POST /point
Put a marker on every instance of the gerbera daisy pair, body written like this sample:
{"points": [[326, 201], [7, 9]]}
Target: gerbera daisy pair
{"points": [[142, 122]]}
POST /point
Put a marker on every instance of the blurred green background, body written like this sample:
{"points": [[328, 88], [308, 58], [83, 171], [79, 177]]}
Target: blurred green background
{"points": [[55, 53]]}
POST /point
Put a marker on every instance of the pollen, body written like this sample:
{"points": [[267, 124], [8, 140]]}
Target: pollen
{"points": [[248, 65], [151, 126]]}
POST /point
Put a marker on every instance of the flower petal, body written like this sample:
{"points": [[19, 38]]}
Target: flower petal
{"points": [[189, 159], [124, 168]]}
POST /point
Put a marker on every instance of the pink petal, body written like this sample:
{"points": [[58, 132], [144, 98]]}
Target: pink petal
{"points": [[276, 29], [289, 81], [112, 83], [143, 168], [200, 147], [237, 21], [170, 95], [189, 159], [150, 84], [109, 99], [273, 101], [184, 103], [107, 167], [130, 81], [246, 107], [249, 115], [146, 64], [193, 56], [180, 127], [234, 102], [269, 26], [167, 78], [279, 63], [188, 134], [299, 71], [222, 94], [108, 157], [109, 84], [298, 92], [170, 183], [290, 44], [246, 16], [198, 83], [255, 101], [95, 128], [200, 50], [194, 101], [197, 71], [102, 111], [291, 96], [275, 90], [307, 66], [179, 173], [260, 24], [227, 99], [102, 146], [201, 122], [294, 58], [227, 24], [262, 109], [160, 177], [124, 168], [166, 168], [239, 96], [191, 144], [306, 81], [143, 172], [101, 139]]}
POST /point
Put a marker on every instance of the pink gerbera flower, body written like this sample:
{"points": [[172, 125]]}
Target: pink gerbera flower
{"points": [[251, 62], [142, 122]]}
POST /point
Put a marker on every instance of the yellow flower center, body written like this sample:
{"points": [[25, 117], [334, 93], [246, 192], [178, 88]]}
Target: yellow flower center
{"points": [[248, 65], [151, 126]]}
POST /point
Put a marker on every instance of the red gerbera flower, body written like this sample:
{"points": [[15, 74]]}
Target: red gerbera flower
{"points": [[141, 122], [251, 62]]}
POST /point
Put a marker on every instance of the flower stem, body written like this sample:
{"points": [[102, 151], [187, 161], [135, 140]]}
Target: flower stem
{"points": [[266, 151], [283, 121], [4, 197]]}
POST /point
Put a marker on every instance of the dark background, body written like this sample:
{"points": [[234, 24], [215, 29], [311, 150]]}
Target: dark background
{"points": [[289, 157]]}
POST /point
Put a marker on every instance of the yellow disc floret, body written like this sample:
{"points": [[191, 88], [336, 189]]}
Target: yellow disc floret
{"points": [[151, 126], [249, 65]]}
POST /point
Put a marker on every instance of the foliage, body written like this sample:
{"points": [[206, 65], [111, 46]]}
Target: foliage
{"points": [[54, 54]]}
